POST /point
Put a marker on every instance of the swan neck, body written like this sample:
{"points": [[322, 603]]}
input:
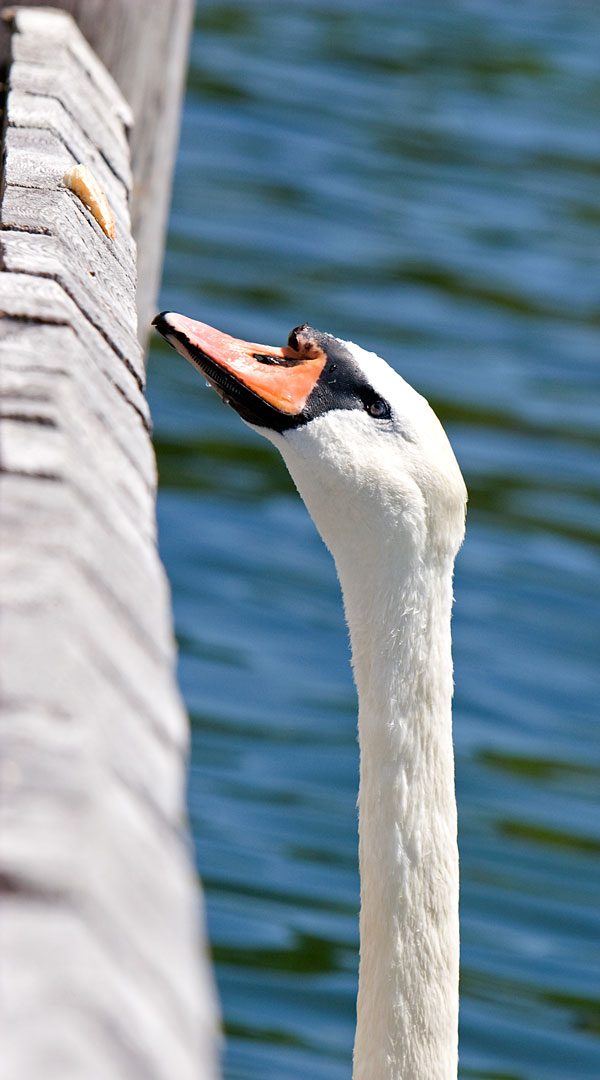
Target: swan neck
{"points": [[407, 1010]]}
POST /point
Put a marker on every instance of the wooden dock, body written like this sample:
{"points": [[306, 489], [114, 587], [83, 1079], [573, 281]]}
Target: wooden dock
{"points": [[104, 972]]}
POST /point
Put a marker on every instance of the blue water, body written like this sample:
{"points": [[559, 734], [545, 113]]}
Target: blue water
{"points": [[423, 179]]}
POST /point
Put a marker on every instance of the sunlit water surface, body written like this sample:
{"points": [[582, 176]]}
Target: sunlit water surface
{"points": [[423, 179]]}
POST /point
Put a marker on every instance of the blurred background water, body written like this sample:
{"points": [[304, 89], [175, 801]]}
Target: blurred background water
{"points": [[422, 179]]}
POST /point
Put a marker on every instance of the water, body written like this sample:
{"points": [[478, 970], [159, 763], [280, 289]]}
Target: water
{"points": [[422, 179]]}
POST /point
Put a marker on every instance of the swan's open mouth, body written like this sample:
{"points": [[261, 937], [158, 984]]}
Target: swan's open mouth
{"points": [[267, 386]]}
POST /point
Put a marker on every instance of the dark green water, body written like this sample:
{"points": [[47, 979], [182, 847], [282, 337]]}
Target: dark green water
{"points": [[423, 179]]}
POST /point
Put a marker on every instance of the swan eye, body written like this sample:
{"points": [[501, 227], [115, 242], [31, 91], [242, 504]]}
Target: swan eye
{"points": [[379, 409]]}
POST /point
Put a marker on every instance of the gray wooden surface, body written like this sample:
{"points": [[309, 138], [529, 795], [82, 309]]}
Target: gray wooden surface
{"points": [[102, 972], [143, 44]]}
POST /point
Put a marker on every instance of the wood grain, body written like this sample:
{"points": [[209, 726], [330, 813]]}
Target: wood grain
{"points": [[103, 973], [143, 44]]}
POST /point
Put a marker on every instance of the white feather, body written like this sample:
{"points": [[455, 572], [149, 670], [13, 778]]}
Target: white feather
{"points": [[389, 501]]}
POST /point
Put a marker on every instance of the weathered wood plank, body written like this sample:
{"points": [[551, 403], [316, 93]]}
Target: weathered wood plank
{"points": [[95, 292], [102, 974], [32, 111], [143, 44], [37, 347], [33, 157], [50, 303], [54, 73]]}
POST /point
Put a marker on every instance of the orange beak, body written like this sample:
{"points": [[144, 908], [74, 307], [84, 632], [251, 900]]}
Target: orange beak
{"points": [[283, 378]]}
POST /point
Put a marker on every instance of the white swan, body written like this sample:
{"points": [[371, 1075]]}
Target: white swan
{"points": [[377, 473]]}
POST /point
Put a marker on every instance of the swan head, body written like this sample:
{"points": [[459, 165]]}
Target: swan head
{"points": [[365, 450]]}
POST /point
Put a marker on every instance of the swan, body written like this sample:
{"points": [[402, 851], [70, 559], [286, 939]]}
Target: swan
{"points": [[376, 471]]}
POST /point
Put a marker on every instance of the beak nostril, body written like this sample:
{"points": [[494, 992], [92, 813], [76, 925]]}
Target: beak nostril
{"points": [[279, 361], [267, 358]]}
